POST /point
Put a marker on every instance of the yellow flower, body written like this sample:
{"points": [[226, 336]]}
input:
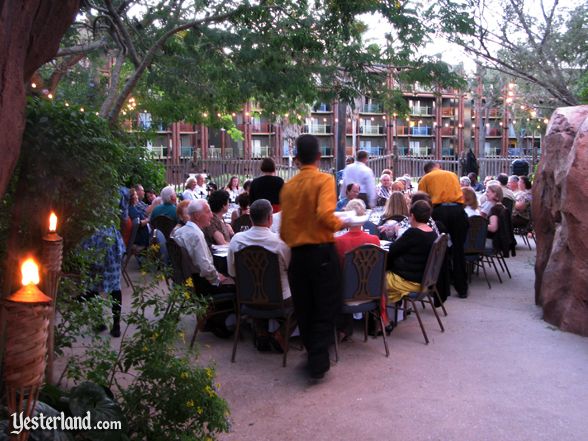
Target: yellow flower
{"points": [[187, 295], [184, 375], [189, 282], [209, 391], [209, 373], [199, 410], [145, 348], [190, 403], [218, 386]]}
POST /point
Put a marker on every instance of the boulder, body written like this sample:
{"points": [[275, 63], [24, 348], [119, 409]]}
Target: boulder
{"points": [[560, 214]]}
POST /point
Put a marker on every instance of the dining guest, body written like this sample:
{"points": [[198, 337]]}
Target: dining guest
{"points": [[218, 232], [268, 185], [260, 234], [233, 189], [383, 190], [247, 185], [506, 192], [477, 186], [351, 192], [141, 205], [464, 181], [407, 257], [189, 186], [168, 205], [142, 237], [492, 195], [495, 207], [182, 213], [308, 222], [521, 215], [470, 201], [360, 173], [396, 208], [447, 199], [240, 218], [200, 190]]}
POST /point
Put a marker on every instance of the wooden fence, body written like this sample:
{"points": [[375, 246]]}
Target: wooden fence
{"points": [[220, 170]]}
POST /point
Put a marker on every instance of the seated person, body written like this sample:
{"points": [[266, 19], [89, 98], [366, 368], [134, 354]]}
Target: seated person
{"points": [[397, 230], [168, 206], [395, 210], [240, 219], [470, 203], [182, 212], [191, 238], [346, 242], [351, 192], [521, 214], [499, 223], [135, 212], [218, 232], [407, 257], [493, 195], [384, 190], [260, 234]]}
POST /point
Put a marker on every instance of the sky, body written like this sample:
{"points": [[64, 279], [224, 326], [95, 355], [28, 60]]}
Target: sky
{"points": [[451, 53]]}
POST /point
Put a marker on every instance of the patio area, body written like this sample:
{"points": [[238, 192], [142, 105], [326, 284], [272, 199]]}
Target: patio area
{"points": [[499, 372]]}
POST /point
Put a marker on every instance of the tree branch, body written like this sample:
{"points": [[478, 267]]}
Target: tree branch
{"points": [[122, 30], [82, 48]]}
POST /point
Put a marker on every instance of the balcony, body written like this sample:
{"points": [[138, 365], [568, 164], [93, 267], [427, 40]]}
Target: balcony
{"points": [[421, 111], [158, 151], [402, 130], [494, 132], [447, 111], [317, 129], [326, 151], [187, 152], [372, 108], [373, 150], [447, 131], [372, 130], [260, 151], [322, 107], [421, 131], [263, 127], [494, 113]]}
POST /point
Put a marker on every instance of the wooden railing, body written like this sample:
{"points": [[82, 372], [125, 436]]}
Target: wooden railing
{"points": [[220, 170]]}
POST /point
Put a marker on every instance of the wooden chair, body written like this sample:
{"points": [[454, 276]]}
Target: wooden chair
{"points": [[259, 292], [183, 269], [475, 247], [132, 250], [428, 285], [364, 283]]}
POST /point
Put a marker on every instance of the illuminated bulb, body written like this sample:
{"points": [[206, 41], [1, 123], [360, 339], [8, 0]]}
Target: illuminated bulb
{"points": [[446, 125], [82, 109], [205, 115], [34, 85], [50, 96], [545, 121], [66, 104]]}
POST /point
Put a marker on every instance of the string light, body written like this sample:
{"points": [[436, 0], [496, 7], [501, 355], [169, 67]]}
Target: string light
{"points": [[34, 85]]}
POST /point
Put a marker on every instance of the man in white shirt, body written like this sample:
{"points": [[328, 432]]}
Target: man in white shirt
{"points": [[191, 238], [200, 190], [261, 235], [361, 174]]}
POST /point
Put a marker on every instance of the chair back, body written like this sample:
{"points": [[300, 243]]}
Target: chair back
{"points": [[164, 224], [434, 262], [134, 228], [475, 241], [509, 204], [182, 267], [364, 270], [258, 277]]}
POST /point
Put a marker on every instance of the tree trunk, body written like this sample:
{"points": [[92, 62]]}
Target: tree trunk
{"points": [[30, 33]]}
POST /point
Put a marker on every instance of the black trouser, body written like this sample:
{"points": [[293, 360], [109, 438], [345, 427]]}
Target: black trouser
{"points": [[455, 220], [315, 280], [116, 302]]}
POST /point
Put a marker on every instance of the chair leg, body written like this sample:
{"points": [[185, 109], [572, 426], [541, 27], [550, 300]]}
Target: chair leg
{"points": [[416, 311], [286, 341], [505, 266], [236, 339], [490, 260], [436, 314], [439, 300], [365, 327], [383, 333], [485, 274], [195, 332]]}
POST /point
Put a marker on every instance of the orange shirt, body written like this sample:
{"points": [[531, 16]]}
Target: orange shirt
{"points": [[308, 205], [443, 187]]}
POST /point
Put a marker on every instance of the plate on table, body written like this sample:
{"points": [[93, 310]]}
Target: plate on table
{"points": [[220, 250], [352, 219]]}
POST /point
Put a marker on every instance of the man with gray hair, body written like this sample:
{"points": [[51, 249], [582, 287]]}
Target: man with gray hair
{"points": [[200, 190], [168, 208], [360, 173], [191, 238], [261, 235]]}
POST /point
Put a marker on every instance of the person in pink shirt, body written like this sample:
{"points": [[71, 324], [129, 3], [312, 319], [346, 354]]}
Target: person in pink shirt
{"points": [[352, 239]]}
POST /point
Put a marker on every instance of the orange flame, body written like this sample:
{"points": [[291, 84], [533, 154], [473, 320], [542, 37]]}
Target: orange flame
{"points": [[30, 272], [52, 222]]}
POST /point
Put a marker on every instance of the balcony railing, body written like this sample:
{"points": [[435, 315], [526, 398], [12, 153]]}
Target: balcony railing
{"points": [[261, 128], [187, 152], [421, 111], [420, 151], [494, 113], [421, 131], [447, 111], [326, 151], [493, 132], [158, 151], [447, 131], [372, 130], [373, 150], [372, 108], [317, 129], [260, 152], [321, 107]]}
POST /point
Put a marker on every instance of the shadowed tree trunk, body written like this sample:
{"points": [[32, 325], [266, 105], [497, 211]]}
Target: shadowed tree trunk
{"points": [[30, 32]]}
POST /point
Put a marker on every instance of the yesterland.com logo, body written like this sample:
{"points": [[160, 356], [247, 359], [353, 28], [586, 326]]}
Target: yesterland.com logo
{"points": [[59, 422]]}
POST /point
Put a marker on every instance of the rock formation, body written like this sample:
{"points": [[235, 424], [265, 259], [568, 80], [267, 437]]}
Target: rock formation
{"points": [[560, 213]]}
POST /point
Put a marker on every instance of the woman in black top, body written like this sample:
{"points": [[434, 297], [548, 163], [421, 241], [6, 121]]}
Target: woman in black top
{"points": [[267, 186], [408, 256]]}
